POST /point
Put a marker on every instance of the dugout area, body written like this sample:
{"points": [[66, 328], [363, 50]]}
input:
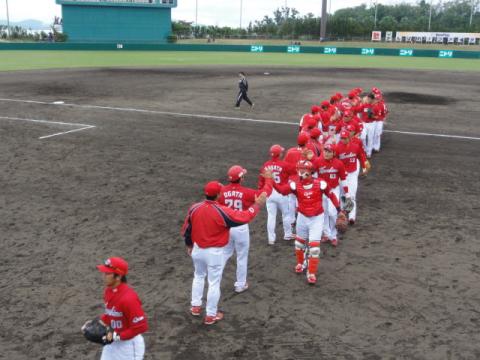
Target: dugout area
{"points": [[403, 283]]}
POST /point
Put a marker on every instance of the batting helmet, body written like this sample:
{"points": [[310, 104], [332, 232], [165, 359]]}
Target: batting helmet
{"points": [[276, 150], [235, 173]]}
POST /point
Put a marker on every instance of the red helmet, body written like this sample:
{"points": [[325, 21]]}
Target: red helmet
{"points": [[276, 150], [305, 165], [235, 173], [315, 133], [302, 139]]}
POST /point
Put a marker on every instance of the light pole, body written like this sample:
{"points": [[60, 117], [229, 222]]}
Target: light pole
{"points": [[196, 12], [375, 23], [430, 16], [241, 12], [471, 11], [8, 21], [323, 21]]}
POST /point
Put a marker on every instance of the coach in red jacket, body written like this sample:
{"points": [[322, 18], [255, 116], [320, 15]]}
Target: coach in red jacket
{"points": [[206, 231]]}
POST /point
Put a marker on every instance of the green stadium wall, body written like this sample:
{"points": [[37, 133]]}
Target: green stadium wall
{"points": [[119, 46]]}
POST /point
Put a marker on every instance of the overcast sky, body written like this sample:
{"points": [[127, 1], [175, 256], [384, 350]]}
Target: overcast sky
{"points": [[210, 12]]}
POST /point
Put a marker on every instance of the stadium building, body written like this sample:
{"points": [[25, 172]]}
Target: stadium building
{"points": [[120, 21]]}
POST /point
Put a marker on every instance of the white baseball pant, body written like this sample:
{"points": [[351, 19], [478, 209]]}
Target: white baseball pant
{"points": [[352, 184], [240, 242], [274, 202], [330, 218], [377, 137], [208, 262], [310, 227], [292, 208], [370, 136], [363, 136], [133, 349]]}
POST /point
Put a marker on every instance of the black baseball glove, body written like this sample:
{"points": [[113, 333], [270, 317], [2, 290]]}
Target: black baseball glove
{"points": [[96, 331]]}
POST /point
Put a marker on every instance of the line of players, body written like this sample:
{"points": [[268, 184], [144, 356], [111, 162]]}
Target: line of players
{"points": [[314, 181]]}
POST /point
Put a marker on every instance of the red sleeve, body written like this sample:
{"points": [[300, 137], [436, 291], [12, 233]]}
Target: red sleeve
{"points": [[362, 157], [267, 187], [341, 171], [135, 317], [331, 195], [235, 218], [283, 189]]}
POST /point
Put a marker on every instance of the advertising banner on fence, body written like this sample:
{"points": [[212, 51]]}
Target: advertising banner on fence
{"points": [[376, 36], [389, 36], [417, 36]]}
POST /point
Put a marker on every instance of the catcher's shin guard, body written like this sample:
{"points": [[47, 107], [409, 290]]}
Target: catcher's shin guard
{"points": [[313, 265], [314, 256], [299, 250]]}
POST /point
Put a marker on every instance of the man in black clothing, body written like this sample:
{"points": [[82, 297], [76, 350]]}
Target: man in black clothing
{"points": [[242, 94]]}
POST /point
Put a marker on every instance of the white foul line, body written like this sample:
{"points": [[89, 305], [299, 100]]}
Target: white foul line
{"points": [[204, 116], [83, 126]]}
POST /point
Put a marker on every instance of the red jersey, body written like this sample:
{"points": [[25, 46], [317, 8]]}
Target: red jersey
{"points": [[123, 312], [380, 110], [367, 113], [332, 172], [238, 197], [317, 145], [349, 154], [309, 195], [281, 170], [208, 223]]}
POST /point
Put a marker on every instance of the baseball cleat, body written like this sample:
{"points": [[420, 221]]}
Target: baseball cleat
{"points": [[351, 222], [240, 289], [210, 320], [324, 239], [196, 310], [289, 238], [271, 242], [299, 268], [311, 279]]}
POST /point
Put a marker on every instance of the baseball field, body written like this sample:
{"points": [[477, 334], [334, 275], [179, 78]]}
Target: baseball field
{"points": [[102, 154]]}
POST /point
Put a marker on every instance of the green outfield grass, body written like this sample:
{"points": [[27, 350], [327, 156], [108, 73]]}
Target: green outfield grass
{"points": [[28, 60], [354, 44]]}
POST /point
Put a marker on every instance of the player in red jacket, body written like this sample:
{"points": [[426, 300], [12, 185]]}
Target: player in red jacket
{"points": [[206, 231], [281, 171], [352, 154], [309, 192], [238, 197], [123, 313], [332, 171]]}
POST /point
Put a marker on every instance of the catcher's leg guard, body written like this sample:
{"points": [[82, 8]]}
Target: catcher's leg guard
{"points": [[299, 253], [313, 259]]}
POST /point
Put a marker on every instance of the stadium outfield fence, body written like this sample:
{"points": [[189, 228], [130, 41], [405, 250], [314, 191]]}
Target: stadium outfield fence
{"points": [[291, 49]]}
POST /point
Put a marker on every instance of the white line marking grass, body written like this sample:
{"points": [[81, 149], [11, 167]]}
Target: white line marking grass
{"points": [[82, 126], [215, 117]]}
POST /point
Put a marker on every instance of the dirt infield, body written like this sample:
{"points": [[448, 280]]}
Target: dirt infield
{"points": [[403, 284]]}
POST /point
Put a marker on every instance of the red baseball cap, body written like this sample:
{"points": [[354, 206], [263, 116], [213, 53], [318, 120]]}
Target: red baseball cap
{"points": [[315, 133], [115, 265], [302, 139], [212, 188], [325, 103], [352, 94], [344, 134], [314, 109]]}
